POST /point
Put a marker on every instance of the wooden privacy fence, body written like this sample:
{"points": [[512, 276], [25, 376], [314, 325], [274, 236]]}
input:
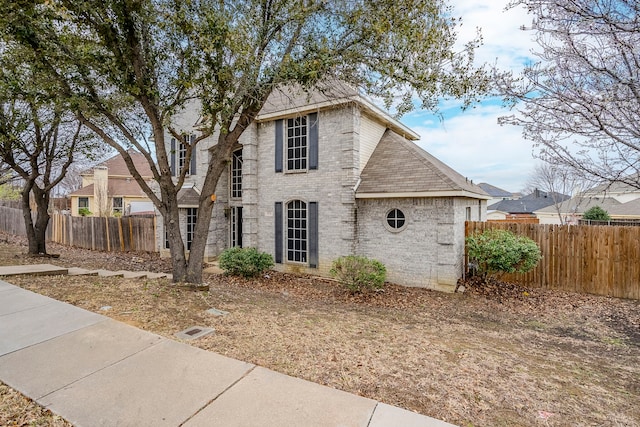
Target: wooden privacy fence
{"points": [[602, 260], [12, 221], [104, 234]]}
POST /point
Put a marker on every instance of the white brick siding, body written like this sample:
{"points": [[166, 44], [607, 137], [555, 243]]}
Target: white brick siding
{"points": [[429, 251], [331, 185]]}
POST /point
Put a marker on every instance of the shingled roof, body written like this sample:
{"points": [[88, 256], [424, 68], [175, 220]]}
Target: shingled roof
{"points": [[494, 191], [399, 168], [294, 100], [188, 198], [117, 166], [116, 187]]}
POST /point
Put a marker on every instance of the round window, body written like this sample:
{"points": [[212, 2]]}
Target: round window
{"points": [[396, 219]]}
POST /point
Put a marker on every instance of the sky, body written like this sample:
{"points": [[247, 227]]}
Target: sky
{"points": [[471, 141]]}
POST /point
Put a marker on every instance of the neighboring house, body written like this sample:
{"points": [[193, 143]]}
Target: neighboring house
{"points": [[621, 201], [524, 207], [109, 189], [497, 194], [320, 176]]}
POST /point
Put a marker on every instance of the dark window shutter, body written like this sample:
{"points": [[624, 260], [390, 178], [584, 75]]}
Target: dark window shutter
{"points": [[313, 140], [279, 145], [278, 230], [313, 234], [173, 157], [193, 156]]}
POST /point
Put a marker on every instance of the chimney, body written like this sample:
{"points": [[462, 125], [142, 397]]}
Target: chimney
{"points": [[101, 190]]}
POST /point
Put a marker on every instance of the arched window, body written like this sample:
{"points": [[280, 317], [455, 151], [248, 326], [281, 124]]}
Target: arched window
{"points": [[297, 231]]}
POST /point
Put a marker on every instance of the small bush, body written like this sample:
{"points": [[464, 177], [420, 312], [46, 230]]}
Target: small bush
{"points": [[84, 212], [500, 251], [359, 274], [245, 262], [596, 213]]}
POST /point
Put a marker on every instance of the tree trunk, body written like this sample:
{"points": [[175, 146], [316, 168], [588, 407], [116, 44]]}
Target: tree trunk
{"points": [[171, 221], [218, 164], [36, 233], [28, 220], [42, 218]]}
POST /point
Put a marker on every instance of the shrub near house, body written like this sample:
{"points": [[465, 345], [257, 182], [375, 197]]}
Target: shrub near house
{"points": [[245, 262], [499, 251], [359, 274]]}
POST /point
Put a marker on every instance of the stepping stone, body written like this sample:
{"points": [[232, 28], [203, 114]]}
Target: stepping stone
{"points": [[134, 274], [108, 273], [217, 312], [158, 275], [75, 271], [35, 269]]}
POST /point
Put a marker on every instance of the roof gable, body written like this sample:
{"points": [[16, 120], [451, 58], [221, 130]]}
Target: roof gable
{"points": [[295, 100], [115, 188], [400, 166], [118, 167]]}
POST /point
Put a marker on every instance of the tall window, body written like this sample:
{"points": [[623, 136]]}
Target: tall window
{"points": [[192, 215], [182, 155], [296, 143], [178, 158], [117, 205], [297, 231], [83, 203], [236, 226], [236, 174]]}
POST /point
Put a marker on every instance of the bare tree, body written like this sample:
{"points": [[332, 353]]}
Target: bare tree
{"points": [[39, 139], [38, 143], [580, 104], [562, 185]]}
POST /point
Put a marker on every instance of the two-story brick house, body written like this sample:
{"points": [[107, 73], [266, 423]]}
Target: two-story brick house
{"points": [[324, 175]]}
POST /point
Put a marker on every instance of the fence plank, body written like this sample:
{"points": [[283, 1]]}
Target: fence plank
{"points": [[602, 260]]}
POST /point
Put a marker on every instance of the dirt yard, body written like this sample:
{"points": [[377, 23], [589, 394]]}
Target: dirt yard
{"points": [[492, 356]]}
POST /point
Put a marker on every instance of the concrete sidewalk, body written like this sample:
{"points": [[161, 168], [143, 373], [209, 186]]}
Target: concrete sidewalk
{"points": [[95, 371]]}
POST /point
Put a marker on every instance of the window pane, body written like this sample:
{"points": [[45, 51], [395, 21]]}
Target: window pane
{"points": [[296, 231], [395, 219], [236, 175], [296, 143]]}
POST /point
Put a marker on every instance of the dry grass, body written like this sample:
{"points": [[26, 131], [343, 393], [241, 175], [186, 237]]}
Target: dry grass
{"points": [[510, 359], [17, 410]]}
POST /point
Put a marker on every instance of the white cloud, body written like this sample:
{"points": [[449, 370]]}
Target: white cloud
{"points": [[474, 144], [504, 43]]}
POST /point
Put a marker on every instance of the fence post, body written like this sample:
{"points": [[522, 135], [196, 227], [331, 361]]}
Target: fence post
{"points": [[132, 244], [120, 234], [106, 224]]}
